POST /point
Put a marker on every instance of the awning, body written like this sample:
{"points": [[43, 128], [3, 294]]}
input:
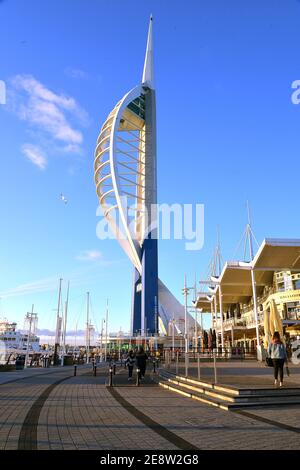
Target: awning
{"points": [[204, 303], [236, 284], [273, 255], [278, 255]]}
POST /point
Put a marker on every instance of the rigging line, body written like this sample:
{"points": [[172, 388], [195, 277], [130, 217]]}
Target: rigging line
{"points": [[239, 244], [245, 247], [70, 313], [254, 237], [80, 310], [97, 330]]}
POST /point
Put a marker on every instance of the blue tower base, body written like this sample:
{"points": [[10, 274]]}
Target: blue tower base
{"points": [[145, 293]]}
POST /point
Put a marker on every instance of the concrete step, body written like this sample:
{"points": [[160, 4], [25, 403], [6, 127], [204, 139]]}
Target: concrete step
{"points": [[234, 391], [228, 397]]}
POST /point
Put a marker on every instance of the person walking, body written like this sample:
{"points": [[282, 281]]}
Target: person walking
{"points": [[130, 361], [277, 352], [141, 361]]}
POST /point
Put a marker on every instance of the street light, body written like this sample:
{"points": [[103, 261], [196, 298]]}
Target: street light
{"points": [[196, 332], [186, 291], [173, 337], [30, 317]]}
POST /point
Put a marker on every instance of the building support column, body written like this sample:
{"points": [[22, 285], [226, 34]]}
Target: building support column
{"points": [[216, 319], [212, 315], [221, 314], [258, 346]]}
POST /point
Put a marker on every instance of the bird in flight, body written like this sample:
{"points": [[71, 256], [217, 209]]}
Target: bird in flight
{"points": [[63, 198]]}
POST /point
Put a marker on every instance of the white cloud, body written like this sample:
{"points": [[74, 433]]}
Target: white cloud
{"points": [[83, 276], [37, 91], [42, 285], [89, 255], [57, 116], [77, 278], [35, 155]]}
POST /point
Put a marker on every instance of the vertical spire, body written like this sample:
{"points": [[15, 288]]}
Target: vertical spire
{"points": [[148, 72]]}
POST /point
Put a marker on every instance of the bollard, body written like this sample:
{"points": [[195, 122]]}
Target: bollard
{"points": [[110, 379], [138, 378], [177, 360], [75, 370], [215, 369], [154, 367], [95, 371], [199, 375], [114, 369]]}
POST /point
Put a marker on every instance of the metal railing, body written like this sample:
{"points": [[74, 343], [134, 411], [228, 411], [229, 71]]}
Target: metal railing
{"points": [[207, 365]]}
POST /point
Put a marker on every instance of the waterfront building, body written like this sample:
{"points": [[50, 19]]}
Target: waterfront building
{"points": [[245, 314]]}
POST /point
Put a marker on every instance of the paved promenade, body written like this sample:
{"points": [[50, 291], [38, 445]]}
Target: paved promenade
{"points": [[51, 409]]}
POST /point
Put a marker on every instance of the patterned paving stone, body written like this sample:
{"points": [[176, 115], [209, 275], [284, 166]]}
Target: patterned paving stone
{"points": [[81, 413]]}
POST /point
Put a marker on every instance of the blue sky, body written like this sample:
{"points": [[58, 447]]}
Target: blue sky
{"points": [[227, 132]]}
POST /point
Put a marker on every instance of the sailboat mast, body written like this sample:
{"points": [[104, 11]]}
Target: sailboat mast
{"points": [[87, 327], [65, 325], [58, 323], [106, 321]]}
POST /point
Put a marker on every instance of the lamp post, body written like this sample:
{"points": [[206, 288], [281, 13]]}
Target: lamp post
{"points": [[87, 327], [185, 292], [101, 341], [147, 336], [106, 322], [173, 337], [253, 282], [30, 317], [196, 323]]}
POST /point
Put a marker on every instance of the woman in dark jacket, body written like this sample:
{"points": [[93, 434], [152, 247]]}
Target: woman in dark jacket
{"points": [[141, 360]]}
